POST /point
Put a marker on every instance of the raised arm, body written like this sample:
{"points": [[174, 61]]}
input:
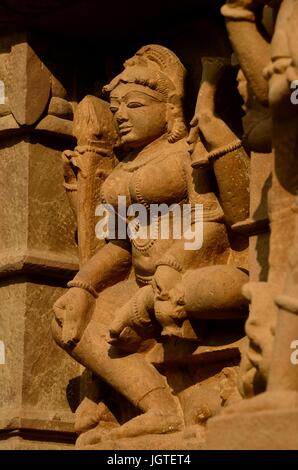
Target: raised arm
{"points": [[250, 45]]}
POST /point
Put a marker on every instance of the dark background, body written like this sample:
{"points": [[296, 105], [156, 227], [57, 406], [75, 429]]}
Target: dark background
{"points": [[85, 42]]}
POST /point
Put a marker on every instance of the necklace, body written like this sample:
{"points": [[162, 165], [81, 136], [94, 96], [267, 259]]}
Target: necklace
{"points": [[142, 159]]}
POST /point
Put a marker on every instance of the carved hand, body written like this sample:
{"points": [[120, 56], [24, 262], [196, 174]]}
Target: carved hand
{"points": [[68, 170], [72, 312], [165, 278], [214, 130], [168, 302], [133, 322], [122, 332], [122, 320]]}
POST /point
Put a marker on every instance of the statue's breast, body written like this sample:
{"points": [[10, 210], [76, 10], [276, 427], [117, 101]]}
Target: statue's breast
{"points": [[155, 176], [117, 184]]}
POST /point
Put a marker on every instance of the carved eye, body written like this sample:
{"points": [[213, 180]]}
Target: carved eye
{"points": [[134, 104], [113, 109]]}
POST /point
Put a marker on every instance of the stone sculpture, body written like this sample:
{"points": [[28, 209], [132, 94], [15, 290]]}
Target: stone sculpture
{"points": [[174, 228], [272, 323], [131, 292]]}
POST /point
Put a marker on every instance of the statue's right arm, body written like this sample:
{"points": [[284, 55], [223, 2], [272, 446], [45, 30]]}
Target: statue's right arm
{"points": [[107, 266], [74, 309]]}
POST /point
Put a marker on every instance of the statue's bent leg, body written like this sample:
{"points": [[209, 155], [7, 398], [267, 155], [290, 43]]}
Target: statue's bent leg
{"points": [[215, 292], [132, 376], [211, 292]]}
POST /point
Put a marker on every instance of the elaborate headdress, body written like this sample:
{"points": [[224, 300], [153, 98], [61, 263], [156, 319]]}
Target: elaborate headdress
{"points": [[160, 69]]}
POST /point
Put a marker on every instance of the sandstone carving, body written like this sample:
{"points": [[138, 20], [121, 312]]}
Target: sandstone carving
{"points": [[33, 95], [130, 294], [149, 225], [272, 323]]}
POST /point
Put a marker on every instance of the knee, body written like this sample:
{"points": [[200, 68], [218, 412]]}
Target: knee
{"points": [[57, 333], [215, 288]]}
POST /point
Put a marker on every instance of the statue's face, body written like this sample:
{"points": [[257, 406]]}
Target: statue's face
{"points": [[139, 114]]}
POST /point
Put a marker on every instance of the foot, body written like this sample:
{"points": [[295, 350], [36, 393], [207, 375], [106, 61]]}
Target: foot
{"points": [[93, 436], [147, 423], [89, 414]]}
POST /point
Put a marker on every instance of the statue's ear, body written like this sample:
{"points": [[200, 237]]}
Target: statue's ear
{"points": [[169, 118], [175, 118]]}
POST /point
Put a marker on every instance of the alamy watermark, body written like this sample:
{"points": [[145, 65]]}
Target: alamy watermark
{"points": [[294, 94], [294, 354], [156, 221]]}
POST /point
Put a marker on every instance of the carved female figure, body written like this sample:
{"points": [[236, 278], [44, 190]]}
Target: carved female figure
{"points": [[104, 317]]}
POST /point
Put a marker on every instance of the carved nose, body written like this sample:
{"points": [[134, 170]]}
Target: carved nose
{"points": [[121, 114]]}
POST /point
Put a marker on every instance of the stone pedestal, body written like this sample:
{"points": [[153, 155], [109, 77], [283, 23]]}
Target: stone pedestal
{"points": [[262, 430]]}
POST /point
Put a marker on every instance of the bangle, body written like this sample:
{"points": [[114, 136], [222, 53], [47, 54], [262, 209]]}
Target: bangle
{"points": [[170, 261], [83, 285], [137, 318], [139, 195], [101, 151], [237, 144], [237, 14], [71, 186]]}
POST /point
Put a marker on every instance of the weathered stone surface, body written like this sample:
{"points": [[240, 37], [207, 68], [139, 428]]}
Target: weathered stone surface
{"points": [[23, 443], [159, 328], [7, 125], [203, 284], [55, 125], [263, 430], [60, 107], [34, 383], [192, 439], [14, 178], [268, 420], [28, 84], [37, 229]]}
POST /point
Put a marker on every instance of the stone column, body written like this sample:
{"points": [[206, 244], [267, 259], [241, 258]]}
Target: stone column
{"points": [[38, 253]]}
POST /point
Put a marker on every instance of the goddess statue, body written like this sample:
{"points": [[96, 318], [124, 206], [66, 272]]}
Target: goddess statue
{"points": [[134, 290]]}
